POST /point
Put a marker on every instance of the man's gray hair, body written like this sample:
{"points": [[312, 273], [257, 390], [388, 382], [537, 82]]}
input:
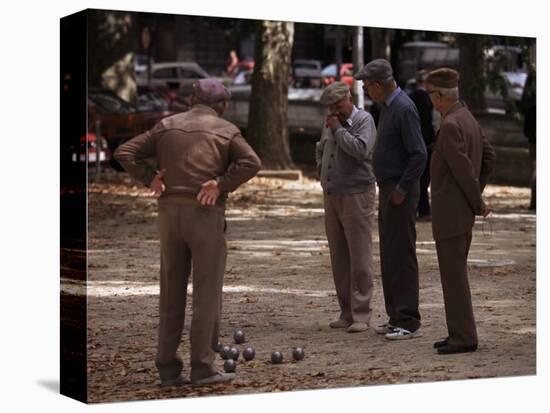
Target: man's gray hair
{"points": [[448, 92], [387, 83]]}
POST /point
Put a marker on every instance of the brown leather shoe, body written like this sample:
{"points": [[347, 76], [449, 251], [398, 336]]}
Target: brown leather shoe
{"points": [[357, 327], [340, 323], [175, 382]]}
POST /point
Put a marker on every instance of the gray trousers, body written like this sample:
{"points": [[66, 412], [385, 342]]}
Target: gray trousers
{"points": [[191, 239], [397, 232], [452, 255], [349, 220]]}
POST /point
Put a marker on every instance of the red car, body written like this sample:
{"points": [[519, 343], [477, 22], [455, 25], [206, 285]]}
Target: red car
{"points": [[87, 150], [346, 74]]}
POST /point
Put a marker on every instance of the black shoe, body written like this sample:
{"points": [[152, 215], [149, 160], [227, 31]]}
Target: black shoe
{"points": [[450, 349], [441, 343]]}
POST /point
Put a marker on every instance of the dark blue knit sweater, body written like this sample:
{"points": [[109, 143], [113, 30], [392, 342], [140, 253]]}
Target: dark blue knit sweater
{"points": [[400, 153]]}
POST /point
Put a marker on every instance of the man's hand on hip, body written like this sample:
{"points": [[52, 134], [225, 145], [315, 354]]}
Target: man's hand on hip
{"points": [[209, 193], [157, 185], [397, 197]]}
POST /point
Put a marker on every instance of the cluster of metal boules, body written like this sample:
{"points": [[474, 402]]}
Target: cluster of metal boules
{"points": [[231, 353]]}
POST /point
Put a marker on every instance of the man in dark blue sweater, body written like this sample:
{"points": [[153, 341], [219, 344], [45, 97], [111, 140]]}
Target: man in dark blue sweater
{"points": [[398, 161]]}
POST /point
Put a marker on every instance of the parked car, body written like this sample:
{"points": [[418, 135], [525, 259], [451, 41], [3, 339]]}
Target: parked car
{"points": [[141, 63], [515, 82], [414, 56], [88, 149], [175, 76], [150, 101], [346, 74], [244, 65], [306, 73], [306, 115], [244, 77], [118, 119]]}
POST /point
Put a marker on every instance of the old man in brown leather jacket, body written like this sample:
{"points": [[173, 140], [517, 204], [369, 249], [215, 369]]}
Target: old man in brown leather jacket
{"points": [[201, 158]]}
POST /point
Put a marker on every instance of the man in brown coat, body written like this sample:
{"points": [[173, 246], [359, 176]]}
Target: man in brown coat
{"points": [[462, 161], [202, 157]]}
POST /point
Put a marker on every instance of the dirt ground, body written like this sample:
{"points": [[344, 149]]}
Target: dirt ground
{"points": [[278, 288]]}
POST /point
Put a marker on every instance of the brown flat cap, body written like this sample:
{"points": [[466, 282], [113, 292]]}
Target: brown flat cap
{"points": [[444, 77], [211, 91], [378, 69], [334, 92]]}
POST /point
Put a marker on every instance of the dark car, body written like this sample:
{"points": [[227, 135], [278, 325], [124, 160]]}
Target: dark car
{"points": [[118, 119], [306, 73], [150, 101]]}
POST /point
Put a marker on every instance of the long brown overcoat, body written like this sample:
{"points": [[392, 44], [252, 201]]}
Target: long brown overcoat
{"points": [[462, 161]]}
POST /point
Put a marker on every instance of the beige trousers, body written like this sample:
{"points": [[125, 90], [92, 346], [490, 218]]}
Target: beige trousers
{"points": [[349, 221]]}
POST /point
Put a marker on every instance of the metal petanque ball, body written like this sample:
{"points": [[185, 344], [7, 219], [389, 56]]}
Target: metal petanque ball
{"points": [[219, 346], [298, 353], [249, 353], [224, 352], [229, 366], [239, 337], [276, 357], [234, 353]]}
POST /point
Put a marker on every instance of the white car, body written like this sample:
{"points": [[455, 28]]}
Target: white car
{"points": [[174, 75]]}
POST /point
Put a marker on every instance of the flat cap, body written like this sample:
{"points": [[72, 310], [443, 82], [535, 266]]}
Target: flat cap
{"points": [[210, 91], [444, 77], [378, 69], [334, 92]]}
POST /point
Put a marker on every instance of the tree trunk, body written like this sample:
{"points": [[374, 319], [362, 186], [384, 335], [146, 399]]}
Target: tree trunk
{"points": [[267, 120], [112, 38], [472, 74]]}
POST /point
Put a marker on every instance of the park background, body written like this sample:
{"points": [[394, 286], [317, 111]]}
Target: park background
{"points": [[30, 220]]}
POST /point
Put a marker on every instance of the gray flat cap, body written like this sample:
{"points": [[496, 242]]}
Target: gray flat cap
{"points": [[211, 91], [378, 69], [334, 92]]}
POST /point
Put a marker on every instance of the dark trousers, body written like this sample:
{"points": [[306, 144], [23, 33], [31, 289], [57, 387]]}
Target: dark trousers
{"points": [[191, 239], [397, 232], [424, 201], [452, 255]]}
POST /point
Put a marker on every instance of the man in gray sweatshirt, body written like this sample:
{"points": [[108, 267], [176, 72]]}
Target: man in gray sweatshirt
{"points": [[398, 161], [344, 162]]}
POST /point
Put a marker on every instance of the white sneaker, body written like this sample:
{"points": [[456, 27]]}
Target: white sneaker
{"points": [[399, 333], [384, 328]]}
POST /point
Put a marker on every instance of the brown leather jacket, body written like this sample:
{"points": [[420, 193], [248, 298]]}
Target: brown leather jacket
{"points": [[193, 147], [462, 161]]}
